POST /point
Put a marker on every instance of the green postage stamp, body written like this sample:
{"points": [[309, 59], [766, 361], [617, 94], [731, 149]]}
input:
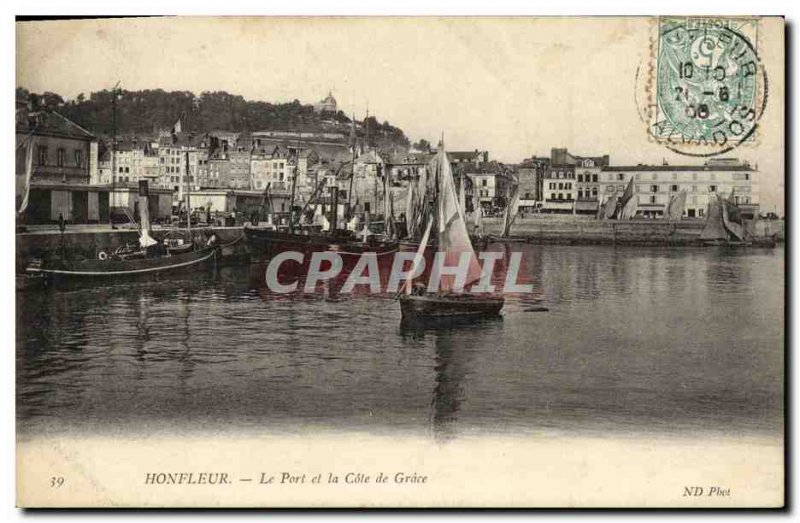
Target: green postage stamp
{"points": [[710, 88]]}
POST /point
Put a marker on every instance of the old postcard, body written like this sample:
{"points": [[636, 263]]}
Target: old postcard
{"points": [[400, 262]]}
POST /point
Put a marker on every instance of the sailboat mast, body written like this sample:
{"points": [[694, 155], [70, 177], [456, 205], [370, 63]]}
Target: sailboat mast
{"points": [[188, 204], [294, 184], [352, 170]]}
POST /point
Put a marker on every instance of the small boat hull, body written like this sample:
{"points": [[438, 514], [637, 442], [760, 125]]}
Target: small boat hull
{"points": [[100, 269], [449, 306]]}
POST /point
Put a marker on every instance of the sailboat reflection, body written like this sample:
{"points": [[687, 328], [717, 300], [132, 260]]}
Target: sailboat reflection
{"points": [[455, 345]]}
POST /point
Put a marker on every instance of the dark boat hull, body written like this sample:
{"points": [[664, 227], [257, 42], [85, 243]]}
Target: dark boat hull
{"points": [[267, 243], [99, 269], [449, 306]]}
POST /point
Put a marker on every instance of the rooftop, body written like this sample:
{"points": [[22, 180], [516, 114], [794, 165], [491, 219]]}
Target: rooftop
{"points": [[50, 123]]}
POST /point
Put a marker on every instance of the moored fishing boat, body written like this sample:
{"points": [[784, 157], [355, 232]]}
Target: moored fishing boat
{"points": [[122, 265], [148, 257], [725, 227]]}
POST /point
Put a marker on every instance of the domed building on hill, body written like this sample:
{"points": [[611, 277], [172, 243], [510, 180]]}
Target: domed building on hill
{"points": [[326, 104]]}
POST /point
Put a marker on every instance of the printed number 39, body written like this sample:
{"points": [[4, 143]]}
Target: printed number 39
{"points": [[56, 481]]}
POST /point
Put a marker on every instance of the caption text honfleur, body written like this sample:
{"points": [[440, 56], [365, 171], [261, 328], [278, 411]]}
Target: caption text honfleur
{"points": [[286, 478]]}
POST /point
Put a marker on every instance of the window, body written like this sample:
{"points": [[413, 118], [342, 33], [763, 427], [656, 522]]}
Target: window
{"points": [[654, 188], [41, 155], [746, 176], [594, 178], [119, 169], [127, 169], [61, 156], [580, 178], [712, 188], [483, 184], [673, 188], [701, 212], [560, 196], [78, 158], [594, 192], [652, 199], [580, 193], [560, 186], [569, 196]]}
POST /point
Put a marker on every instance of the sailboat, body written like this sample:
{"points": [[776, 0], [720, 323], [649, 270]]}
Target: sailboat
{"points": [[453, 240], [724, 226]]}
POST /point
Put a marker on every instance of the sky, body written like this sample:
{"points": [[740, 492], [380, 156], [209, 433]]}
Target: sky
{"points": [[512, 86]]}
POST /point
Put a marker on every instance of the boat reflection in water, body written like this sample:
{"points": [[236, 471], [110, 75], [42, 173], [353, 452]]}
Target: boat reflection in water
{"points": [[452, 361]]}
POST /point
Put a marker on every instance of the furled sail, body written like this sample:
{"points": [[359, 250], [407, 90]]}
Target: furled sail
{"points": [[145, 240], [676, 205], [477, 210], [732, 220], [452, 231], [629, 208], [714, 229], [462, 197], [611, 206], [627, 195], [26, 188], [411, 207], [511, 211]]}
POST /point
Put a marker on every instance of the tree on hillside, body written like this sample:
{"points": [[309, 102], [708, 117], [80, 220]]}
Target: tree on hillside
{"points": [[145, 111]]}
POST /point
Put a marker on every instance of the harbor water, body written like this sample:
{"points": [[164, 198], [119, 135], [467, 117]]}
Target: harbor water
{"points": [[633, 340]]}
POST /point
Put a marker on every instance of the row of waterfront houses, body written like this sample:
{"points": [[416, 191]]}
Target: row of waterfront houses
{"points": [[82, 179], [568, 183]]}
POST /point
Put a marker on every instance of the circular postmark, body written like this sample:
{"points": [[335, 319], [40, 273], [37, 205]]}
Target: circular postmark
{"points": [[710, 86]]}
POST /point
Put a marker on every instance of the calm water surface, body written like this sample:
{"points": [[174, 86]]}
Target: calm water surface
{"points": [[636, 341]]}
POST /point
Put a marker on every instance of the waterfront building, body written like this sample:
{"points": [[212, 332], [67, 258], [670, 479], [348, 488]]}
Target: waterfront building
{"points": [[136, 159], [126, 202], [228, 163], [655, 184], [272, 166], [531, 176], [172, 153], [475, 158], [222, 202], [407, 166], [563, 191], [58, 153], [491, 180]]}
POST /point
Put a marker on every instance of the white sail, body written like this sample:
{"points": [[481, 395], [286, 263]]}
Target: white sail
{"points": [[452, 231], [418, 257]]}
